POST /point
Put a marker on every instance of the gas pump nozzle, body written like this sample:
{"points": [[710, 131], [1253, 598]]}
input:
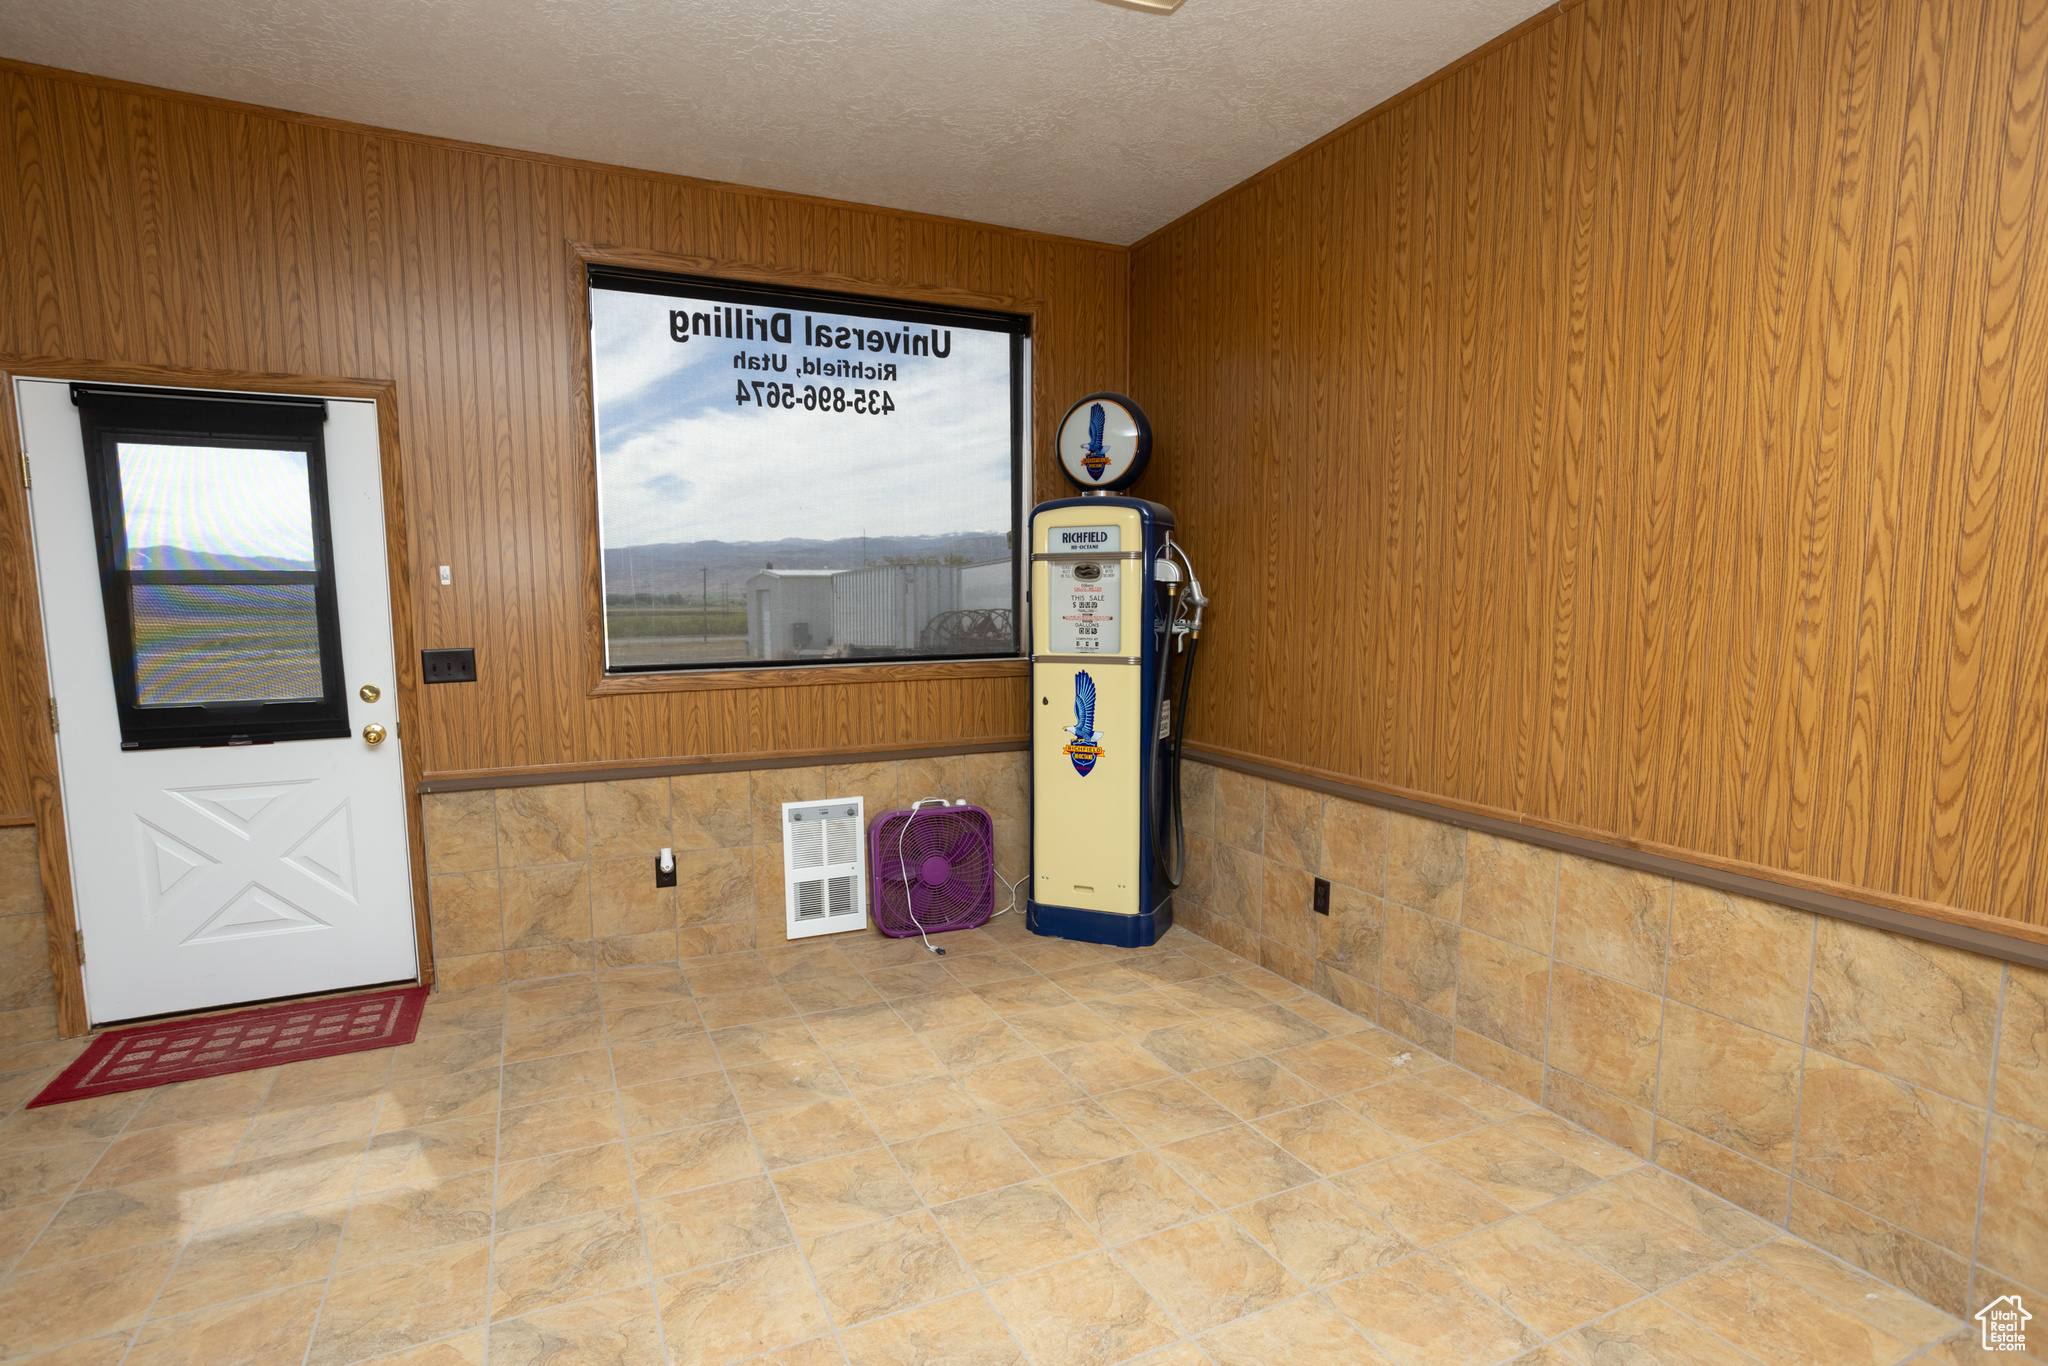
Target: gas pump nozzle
{"points": [[1196, 600], [1188, 620]]}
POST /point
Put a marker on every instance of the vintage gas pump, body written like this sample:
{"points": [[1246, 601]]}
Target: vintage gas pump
{"points": [[1114, 602]]}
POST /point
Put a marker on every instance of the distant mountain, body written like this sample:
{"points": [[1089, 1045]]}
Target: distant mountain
{"points": [[677, 567], [179, 557]]}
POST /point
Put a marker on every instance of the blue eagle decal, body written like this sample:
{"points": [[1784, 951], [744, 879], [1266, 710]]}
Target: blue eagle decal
{"points": [[1096, 458], [1086, 746]]}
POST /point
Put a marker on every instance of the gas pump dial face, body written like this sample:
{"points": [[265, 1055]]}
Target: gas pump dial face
{"points": [[1104, 442]]}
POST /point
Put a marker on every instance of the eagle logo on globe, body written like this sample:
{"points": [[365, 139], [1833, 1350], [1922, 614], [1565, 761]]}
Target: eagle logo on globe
{"points": [[1095, 458]]}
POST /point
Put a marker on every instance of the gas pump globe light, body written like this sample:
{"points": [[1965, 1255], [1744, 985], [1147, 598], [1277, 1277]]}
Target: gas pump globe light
{"points": [[1104, 443]]}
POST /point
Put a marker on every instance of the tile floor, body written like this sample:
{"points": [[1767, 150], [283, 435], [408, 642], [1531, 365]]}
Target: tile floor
{"points": [[1028, 1150]]}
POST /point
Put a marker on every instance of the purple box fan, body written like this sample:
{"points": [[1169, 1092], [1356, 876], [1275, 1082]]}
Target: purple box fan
{"points": [[933, 868]]}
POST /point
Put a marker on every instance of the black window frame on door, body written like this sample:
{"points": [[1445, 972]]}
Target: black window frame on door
{"points": [[111, 415]]}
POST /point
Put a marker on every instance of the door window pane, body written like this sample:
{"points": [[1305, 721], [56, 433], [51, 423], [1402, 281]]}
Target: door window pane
{"points": [[216, 565], [221, 590], [225, 642], [216, 507]]}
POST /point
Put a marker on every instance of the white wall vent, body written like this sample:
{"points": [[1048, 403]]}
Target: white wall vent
{"points": [[824, 866]]}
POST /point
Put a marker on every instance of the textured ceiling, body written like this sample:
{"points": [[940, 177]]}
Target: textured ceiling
{"points": [[1067, 116]]}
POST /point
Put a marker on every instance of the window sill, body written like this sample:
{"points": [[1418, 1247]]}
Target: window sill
{"points": [[807, 676]]}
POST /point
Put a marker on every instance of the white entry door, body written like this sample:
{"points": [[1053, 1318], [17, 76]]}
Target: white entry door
{"points": [[208, 870]]}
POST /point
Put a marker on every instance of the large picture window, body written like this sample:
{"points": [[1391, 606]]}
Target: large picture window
{"points": [[801, 478]]}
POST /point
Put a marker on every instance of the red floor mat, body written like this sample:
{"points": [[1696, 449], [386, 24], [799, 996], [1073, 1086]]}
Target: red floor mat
{"points": [[186, 1050]]}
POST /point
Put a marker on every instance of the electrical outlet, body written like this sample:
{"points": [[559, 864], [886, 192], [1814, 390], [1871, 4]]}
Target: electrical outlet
{"points": [[1322, 896], [448, 666], [664, 878]]}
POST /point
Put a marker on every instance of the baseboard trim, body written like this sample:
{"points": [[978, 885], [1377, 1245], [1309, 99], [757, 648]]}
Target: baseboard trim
{"points": [[1991, 936]]}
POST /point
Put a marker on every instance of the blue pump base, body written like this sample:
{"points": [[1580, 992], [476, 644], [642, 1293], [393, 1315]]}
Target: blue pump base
{"points": [[1100, 927]]}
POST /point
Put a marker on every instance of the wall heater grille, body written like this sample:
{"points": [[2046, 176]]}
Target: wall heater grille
{"points": [[822, 866]]}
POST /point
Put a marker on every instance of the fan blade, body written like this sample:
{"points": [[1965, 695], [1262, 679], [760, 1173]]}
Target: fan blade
{"points": [[967, 851], [925, 838], [900, 849], [964, 836]]}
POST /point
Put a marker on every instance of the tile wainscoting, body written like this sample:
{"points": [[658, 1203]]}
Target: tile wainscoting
{"points": [[530, 882], [1883, 1097], [527, 882]]}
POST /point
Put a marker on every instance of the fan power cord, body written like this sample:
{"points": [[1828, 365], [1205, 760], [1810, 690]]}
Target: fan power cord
{"points": [[902, 868], [1008, 886]]}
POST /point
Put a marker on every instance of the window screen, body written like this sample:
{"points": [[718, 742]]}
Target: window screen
{"points": [[801, 478], [216, 569]]}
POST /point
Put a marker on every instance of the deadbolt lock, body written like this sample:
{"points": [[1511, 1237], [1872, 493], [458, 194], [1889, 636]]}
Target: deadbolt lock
{"points": [[373, 734], [369, 692]]}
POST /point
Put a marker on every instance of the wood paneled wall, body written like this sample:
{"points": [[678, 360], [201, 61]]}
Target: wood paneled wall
{"points": [[1642, 429], [144, 227]]}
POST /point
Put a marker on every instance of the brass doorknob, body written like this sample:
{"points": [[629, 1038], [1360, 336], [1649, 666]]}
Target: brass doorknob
{"points": [[373, 734]]}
